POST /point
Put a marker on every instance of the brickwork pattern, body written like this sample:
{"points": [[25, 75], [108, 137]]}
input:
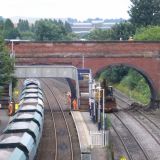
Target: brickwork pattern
{"points": [[144, 56]]}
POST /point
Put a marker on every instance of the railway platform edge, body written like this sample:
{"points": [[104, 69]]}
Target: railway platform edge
{"points": [[84, 127]]}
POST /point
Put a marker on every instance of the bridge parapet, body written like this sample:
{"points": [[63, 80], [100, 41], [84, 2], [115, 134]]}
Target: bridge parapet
{"points": [[95, 55]]}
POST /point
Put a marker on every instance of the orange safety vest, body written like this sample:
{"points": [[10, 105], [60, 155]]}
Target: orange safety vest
{"points": [[11, 109], [74, 104]]}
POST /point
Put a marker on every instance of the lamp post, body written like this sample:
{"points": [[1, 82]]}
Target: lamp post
{"points": [[99, 106], [12, 47], [103, 108]]}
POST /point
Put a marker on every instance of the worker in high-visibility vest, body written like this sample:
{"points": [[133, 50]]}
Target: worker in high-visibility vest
{"points": [[74, 103], [11, 108], [69, 97]]}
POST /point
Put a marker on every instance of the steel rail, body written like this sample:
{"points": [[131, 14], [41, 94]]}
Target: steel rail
{"points": [[70, 139], [141, 113], [54, 125], [144, 152], [126, 149]]}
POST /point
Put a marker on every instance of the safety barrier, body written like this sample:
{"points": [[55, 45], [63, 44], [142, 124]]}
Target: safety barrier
{"points": [[99, 138]]}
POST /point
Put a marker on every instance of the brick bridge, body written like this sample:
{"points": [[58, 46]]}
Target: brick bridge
{"points": [[142, 56]]}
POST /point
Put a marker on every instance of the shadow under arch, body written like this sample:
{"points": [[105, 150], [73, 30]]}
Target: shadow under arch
{"points": [[139, 70]]}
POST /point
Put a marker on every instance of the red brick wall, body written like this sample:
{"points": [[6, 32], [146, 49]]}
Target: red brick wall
{"points": [[142, 55]]}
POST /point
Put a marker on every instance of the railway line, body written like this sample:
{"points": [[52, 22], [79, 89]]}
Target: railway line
{"points": [[144, 128], [118, 146], [135, 132], [65, 141], [134, 149]]}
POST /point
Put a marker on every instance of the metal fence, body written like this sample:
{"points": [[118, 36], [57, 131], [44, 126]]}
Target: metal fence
{"points": [[99, 138]]}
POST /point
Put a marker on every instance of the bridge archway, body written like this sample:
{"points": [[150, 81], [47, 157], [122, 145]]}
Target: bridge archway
{"points": [[48, 71], [145, 75]]}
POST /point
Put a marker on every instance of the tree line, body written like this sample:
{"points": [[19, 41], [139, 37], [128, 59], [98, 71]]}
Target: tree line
{"points": [[41, 30]]}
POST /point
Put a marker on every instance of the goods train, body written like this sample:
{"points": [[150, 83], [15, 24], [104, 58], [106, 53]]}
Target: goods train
{"points": [[20, 139], [110, 100]]}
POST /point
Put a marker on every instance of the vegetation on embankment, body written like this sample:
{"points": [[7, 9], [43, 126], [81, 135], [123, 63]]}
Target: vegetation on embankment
{"points": [[128, 81], [6, 67]]}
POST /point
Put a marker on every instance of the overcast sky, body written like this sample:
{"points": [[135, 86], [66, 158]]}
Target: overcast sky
{"points": [[80, 9]]}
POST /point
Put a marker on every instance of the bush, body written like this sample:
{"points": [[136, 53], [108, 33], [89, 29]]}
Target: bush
{"points": [[151, 33]]}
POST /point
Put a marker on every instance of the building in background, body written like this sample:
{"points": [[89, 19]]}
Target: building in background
{"points": [[83, 28]]}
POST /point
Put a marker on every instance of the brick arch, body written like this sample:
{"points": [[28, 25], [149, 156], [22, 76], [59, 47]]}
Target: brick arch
{"points": [[139, 70], [145, 55]]}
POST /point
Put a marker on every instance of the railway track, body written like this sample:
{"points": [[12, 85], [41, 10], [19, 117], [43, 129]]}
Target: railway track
{"points": [[147, 120], [65, 145], [144, 128], [119, 147], [133, 148], [63, 89], [48, 144]]}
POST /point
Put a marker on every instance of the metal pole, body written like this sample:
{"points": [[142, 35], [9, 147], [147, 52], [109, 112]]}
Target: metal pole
{"points": [[12, 47], [10, 84], [90, 90], [82, 61], [77, 89], [103, 119], [99, 107], [10, 91], [94, 106], [103, 109]]}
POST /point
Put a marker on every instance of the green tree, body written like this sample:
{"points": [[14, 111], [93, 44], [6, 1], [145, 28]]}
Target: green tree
{"points": [[132, 79], [1, 26], [23, 25], [151, 33], [115, 74], [145, 12], [99, 34], [6, 64], [67, 27], [72, 37], [8, 24], [11, 33], [28, 35], [47, 29], [122, 30]]}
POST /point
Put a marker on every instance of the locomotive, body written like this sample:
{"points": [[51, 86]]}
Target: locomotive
{"points": [[110, 100]]}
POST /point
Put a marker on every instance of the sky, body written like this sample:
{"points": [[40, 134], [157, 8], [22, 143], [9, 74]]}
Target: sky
{"points": [[79, 9]]}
